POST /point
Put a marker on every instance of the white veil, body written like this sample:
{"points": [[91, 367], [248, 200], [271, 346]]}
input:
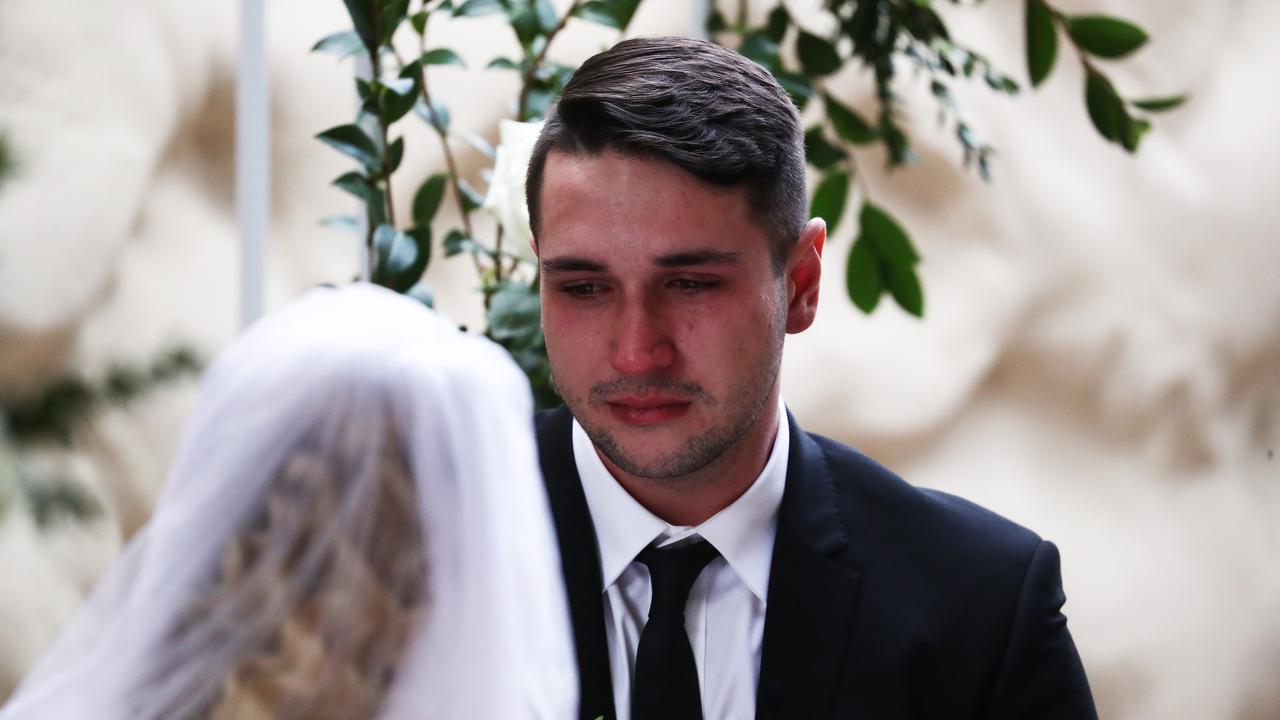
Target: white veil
{"points": [[343, 384]]}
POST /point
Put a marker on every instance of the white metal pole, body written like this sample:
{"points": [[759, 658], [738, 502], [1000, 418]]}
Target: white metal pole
{"points": [[253, 160]]}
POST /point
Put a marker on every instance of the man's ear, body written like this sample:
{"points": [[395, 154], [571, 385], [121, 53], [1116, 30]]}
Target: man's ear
{"points": [[533, 244], [804, 274]]}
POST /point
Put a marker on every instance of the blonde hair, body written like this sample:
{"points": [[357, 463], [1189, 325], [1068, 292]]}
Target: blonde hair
{"points": [[326, 583]]}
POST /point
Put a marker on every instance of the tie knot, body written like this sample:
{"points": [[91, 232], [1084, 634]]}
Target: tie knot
{"points": [[672, 573]]}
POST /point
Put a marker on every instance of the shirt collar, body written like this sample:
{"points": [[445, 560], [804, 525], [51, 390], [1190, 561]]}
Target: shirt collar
{"points": [[743, 532]]}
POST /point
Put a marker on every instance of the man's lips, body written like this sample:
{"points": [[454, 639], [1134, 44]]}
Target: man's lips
{"points": [[647, 409]]}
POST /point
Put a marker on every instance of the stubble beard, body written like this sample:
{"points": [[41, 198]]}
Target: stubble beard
{"points": [[698, 451]]}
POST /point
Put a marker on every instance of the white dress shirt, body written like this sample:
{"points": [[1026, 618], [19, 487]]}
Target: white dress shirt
{"points": [[725, 614]]}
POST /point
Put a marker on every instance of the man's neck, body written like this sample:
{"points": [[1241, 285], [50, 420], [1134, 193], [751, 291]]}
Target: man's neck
{"points": [[691, 499]]}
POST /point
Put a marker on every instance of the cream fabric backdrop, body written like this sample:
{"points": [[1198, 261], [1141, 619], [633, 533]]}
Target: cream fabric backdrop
{"points": [[1100, 357]]}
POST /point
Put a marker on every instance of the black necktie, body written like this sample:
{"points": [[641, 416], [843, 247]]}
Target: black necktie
{"points": [[666, 684]]}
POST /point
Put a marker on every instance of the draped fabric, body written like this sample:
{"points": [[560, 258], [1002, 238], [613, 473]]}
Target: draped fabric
{"points": [[354, 523]]}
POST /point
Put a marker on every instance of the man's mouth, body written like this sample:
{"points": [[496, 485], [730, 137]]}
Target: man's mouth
{"points": [[647, 409]]}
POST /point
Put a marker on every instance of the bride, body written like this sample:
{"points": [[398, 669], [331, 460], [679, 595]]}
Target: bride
{"points": [[354, 528]]}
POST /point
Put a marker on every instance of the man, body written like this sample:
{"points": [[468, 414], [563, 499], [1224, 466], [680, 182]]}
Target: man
{"points": [[720, 561]]}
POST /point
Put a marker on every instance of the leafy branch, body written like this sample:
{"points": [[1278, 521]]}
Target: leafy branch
{"points": [[874, 35]]}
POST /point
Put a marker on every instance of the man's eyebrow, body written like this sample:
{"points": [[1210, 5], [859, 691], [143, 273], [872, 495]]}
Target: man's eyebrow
{"points": [[570, 263], [698, 257]]}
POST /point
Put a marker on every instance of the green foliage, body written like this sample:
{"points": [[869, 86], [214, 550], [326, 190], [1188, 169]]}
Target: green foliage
{"points": [[64, 406], [881, 37], [6, 159]]}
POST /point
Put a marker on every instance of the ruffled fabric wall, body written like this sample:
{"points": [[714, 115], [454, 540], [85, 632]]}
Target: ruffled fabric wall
{"points": [[1100, 356]]}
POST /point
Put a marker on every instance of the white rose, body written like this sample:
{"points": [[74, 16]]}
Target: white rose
{"points": [[506, 198]]}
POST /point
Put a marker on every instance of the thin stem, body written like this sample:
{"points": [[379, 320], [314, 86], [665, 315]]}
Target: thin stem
{"points": [[450, 163], [526, 82]]}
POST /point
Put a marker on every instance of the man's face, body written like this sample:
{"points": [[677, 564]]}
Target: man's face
{"points": [[663, 314]]}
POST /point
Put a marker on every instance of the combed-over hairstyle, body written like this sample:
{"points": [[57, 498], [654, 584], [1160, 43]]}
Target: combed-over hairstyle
{"points": [[706, 109]]}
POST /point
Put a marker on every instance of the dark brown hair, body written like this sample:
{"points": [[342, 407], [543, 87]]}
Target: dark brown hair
{"points": [[708, 110]]}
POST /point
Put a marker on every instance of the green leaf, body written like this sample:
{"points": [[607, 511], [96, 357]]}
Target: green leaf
{"points": [[457, 242], [1106, 37], [422, 292], [351, 140], [818, 56], [515, 315], [819, 151], [1160, 104], [393, 14], [422, 236], [539, 102], [426, 202], [419, 21], [341, 222], [829, 199], [904, 285], [797, 85], [1106, 109], [395, 153], [442, 56], [546, 13], [848, 124], [361, 15], [597, 12], [400, 258], [501, 63], [776, 26], [358, 185], [472, 8], [343, 44], [890, 240], [715, 22], [1042, 41], [624, 11], [758, 47], [524, 21], [1134, 130], [470, 198], [399, 95], [862, 276], [436, 114], [375, 210]]}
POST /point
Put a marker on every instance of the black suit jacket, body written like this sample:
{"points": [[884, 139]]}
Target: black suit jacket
{"points": [[885, 600]]}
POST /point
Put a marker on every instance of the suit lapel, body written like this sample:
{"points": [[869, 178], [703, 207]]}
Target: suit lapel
{"points": [[812, 594], [580, 561]]}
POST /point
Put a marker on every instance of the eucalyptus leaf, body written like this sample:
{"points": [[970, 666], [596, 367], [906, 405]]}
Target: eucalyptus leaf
{"points": [[818, 56], [470, 198], [442, 56], [848, 124], [501, 63], [1160, 104], [515, 314], [399, 95], [1106, 37], [862, 276], [351, 140], [427, 201], [829, 199], [457, 242]]}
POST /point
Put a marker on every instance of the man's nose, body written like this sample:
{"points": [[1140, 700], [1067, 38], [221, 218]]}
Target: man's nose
{"points": [[641, 343]]}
